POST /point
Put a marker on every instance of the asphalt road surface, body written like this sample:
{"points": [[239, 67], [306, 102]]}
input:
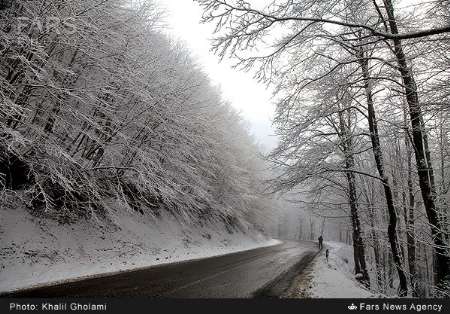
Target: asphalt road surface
{"points": [[262, 272]]}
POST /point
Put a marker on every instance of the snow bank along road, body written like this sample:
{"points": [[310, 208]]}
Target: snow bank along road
{"points": [[264, 271]]}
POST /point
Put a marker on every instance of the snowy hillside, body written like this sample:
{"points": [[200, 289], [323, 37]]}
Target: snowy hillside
{"points": [[118, 143], [36, 250], [332, 279]]}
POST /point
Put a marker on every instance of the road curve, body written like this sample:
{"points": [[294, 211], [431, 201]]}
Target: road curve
{"points": [[259, 272]]}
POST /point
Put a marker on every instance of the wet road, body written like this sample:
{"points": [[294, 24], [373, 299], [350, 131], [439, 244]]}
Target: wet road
{"points": [[260, 272]]}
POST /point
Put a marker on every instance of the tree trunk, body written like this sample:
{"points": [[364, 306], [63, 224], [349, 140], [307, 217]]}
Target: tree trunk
{"points": [[376, 248], [410, 218], [378, 155], [358, 246], [443, 141], [422, 154]]}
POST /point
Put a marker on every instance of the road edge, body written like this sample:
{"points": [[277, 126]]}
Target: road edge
{"points": [[11, 293], [283, 282]]}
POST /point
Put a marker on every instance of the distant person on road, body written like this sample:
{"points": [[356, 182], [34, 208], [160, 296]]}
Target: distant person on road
{"points": [[320, 242], [327, 252]]}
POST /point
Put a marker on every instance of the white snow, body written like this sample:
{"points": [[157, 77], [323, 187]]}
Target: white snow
{"points": [[332, 279], [36, 251]]}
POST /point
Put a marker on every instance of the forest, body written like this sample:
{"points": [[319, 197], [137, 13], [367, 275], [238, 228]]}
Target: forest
{"points": [[362, 113], [98, 105]]}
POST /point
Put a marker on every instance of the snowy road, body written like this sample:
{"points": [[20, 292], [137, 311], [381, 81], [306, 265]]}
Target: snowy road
{"points": [[259, 272]]}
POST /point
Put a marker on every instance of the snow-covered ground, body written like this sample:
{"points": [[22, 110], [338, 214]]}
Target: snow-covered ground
{"points": [[36, 251], [332, 279]]}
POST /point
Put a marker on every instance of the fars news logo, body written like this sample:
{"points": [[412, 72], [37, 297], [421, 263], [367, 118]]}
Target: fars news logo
{"points": [[352, 307]]}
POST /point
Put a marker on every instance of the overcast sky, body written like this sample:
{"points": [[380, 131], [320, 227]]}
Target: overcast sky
{"points": [[249, 97]]}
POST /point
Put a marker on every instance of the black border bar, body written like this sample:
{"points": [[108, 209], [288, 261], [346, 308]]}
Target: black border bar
{"points": [[198, 306]]}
